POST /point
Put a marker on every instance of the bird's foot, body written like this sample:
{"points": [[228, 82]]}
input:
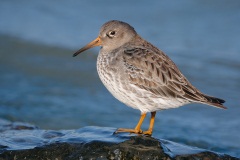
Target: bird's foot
{"points": [[147, 133], [135, 131]]}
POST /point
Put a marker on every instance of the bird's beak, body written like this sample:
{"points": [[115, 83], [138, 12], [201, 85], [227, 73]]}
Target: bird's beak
{"points": [[96, 42]]}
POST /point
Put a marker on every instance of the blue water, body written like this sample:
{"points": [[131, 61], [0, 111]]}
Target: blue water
{"points": [[42, 84], [29, 137]]}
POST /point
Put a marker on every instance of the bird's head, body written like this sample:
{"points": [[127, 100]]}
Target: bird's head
{"points": [[112, 35]]}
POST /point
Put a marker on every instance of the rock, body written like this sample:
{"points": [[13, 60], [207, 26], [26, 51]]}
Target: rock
{"points": [[135, 148], [93, 143]]}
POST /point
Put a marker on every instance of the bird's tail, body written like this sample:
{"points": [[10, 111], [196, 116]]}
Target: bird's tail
{"points": [[216, 102]]}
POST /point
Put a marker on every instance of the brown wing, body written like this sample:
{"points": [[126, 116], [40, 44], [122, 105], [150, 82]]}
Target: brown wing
{"points": [[156, 73]]}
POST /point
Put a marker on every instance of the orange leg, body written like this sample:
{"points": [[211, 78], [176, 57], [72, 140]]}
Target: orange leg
{"points": [[137, 129], [150, 129]]}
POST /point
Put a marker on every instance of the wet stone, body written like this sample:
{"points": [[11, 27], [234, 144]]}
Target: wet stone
{"points": [[93, 143]]}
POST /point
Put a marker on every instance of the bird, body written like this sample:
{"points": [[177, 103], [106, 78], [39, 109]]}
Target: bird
{"points": [[142, 76]]}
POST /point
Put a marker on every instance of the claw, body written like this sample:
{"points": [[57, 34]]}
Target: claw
{"points": [[135, 131], [147, 133]]}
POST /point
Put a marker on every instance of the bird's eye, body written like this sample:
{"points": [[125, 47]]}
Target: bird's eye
{"points": [[111, 34]]}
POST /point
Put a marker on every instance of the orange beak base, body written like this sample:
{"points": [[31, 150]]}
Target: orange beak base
{"points": [[96, 42]]}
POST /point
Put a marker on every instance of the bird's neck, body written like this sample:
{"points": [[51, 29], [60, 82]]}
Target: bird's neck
{"points": [[139, 41]]}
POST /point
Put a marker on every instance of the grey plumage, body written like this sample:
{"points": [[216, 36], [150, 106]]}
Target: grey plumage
{"points": [[140, 75]]}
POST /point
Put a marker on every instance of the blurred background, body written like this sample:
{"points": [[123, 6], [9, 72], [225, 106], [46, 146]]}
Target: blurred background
{"points": [[42, 84]]}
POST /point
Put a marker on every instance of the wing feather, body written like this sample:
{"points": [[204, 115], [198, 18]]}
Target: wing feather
{"points": [[155, 72]]}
